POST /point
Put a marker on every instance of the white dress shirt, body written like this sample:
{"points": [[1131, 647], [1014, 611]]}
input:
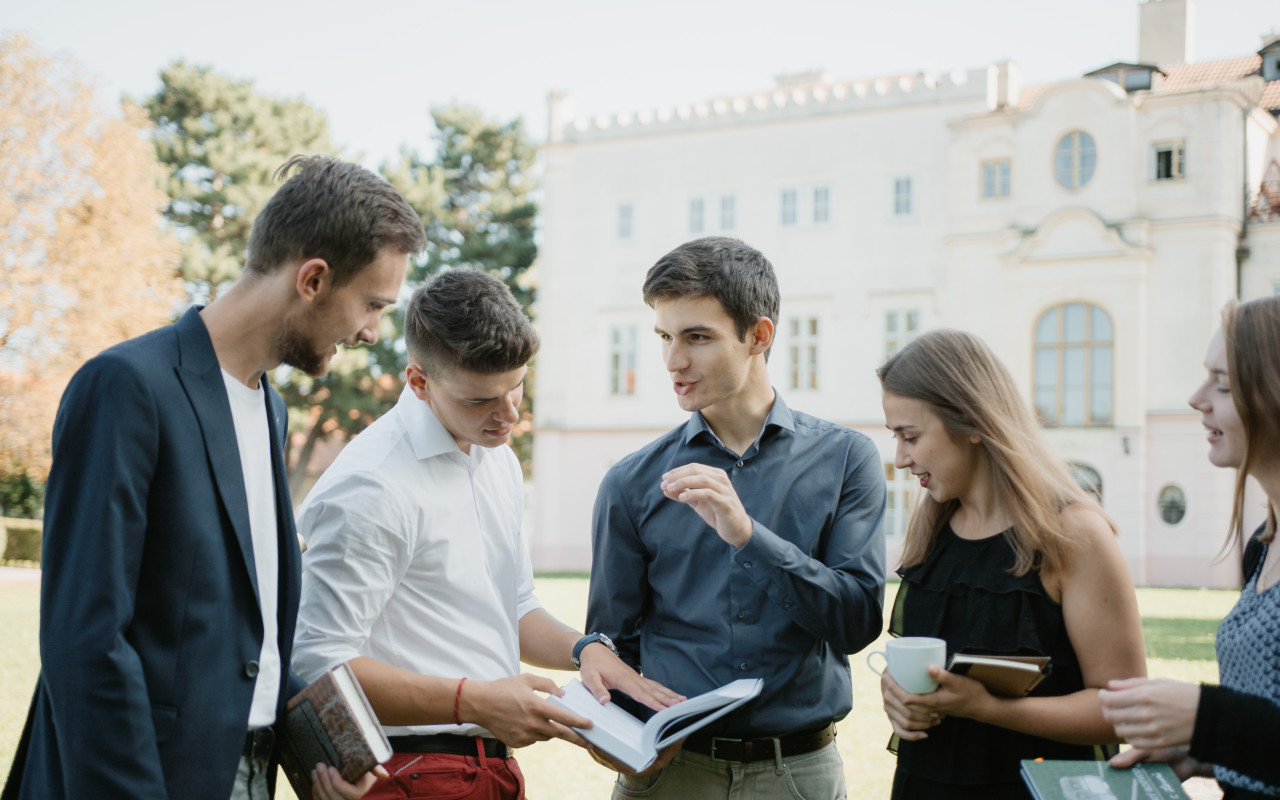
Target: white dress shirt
{"points": [[415, 556]]}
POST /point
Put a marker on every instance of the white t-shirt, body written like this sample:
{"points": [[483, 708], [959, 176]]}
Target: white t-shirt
{"points": [[253, 437], [415, 556]]}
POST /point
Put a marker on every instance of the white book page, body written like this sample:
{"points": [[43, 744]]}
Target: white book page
{"points": [[354, 696], [607, 717]]}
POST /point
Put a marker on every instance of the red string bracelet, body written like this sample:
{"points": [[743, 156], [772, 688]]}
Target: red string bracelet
{"points": [[457, 700]]}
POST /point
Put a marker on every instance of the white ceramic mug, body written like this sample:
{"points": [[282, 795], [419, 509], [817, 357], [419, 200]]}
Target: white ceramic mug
{"points": [[908, 658]]}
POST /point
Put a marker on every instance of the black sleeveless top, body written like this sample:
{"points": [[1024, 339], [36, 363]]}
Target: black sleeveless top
{"points": [[965, 594]]}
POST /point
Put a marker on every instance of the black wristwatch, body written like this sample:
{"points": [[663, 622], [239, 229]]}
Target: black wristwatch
{"points": [[588, 639]]}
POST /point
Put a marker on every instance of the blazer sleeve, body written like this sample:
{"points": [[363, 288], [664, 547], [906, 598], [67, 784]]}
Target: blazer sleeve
{"points": [[105, 443], [1238, 731]]}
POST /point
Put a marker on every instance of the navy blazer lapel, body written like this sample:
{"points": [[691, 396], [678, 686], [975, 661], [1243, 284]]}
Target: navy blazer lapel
{"points": [[290, 553], [201, 379]]}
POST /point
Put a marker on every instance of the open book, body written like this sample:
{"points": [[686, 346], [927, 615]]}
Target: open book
{"points": [[1096, 780], [330, 722], [1004, 676], [637, 743]]}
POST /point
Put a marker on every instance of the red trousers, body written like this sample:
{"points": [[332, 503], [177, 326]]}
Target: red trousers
{"points": [[444, 776]]}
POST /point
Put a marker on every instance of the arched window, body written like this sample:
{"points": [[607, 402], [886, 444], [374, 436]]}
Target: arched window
{"points": [[1073, 366], [1074, 159], [1087, 478]]}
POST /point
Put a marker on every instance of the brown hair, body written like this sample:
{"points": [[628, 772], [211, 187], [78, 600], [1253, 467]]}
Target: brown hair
{"points": [[333, 210], [730, 270], [1251, 337], [467, 320], [967, 387]]}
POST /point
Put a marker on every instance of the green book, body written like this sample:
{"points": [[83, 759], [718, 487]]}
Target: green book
{"points": [[1096, 780]]}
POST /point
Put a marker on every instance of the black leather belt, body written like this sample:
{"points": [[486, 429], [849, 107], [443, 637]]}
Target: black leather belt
{"points": [[448, 743], [258, 744], [743, 750]]}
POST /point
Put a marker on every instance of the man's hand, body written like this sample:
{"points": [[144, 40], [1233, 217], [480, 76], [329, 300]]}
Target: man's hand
{"points": [[327, 783], [1151, 714], [665, 757], [513, 711], [708, 491], [601, 671]]}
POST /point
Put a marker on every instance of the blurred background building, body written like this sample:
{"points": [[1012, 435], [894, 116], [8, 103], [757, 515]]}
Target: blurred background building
{"points": [[1090, 230]]}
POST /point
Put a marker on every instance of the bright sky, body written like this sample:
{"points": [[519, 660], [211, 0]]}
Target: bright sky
{"points": [[376, 67]]}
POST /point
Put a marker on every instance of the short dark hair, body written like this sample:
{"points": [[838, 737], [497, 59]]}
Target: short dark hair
{"points": [[730, 270], [464, 319], [334, 210]]}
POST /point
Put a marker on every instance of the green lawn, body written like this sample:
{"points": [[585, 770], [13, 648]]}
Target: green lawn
{"points": [[1179, 625]]}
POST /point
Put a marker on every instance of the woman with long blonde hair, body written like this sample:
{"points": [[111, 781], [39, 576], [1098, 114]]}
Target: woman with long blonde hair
{"points": [[1228, 731], [1004, 555]]}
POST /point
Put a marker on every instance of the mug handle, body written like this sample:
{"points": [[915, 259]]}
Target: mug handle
{"points": [[872, 667]]}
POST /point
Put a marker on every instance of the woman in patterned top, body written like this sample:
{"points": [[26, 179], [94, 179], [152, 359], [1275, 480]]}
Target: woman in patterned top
{"points": [[1229, 731]]}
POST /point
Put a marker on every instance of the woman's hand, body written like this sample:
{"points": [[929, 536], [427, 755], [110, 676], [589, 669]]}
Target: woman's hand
{"points": [[1184, 766], [1151, 714]]}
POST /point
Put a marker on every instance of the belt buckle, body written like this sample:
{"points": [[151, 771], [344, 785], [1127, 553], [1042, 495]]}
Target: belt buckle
{"points": [[262, 742], [715, 739]]}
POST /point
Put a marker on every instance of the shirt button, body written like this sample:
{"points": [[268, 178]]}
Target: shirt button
{"points": [[739, 464], [741, 614], [743, 666], [746, 564], [251, 669], [786, 605]]}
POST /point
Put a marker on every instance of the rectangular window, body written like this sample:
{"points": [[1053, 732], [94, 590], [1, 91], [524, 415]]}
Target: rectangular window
{"points": [[900, 499], [622, 360], [803, 352], [821, 204], [789, 207], [1168, 161], [696, 215], [728, 212], [995, 178], [900, 327], [901, 197], [624, 220]]}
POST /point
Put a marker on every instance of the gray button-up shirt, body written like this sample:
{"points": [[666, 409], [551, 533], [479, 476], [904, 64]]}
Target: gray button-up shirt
{"points": [[806, 591]]}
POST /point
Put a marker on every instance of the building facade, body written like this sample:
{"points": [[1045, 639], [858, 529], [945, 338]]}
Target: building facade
{"points": [[1090, 230]]}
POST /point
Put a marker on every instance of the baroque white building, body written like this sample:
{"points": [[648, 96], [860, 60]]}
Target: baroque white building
{"points": [[1090, 230]]}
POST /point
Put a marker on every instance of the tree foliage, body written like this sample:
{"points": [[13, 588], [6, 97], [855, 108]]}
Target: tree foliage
{"points": [[84, 262], [222, 141], [476, 198]]}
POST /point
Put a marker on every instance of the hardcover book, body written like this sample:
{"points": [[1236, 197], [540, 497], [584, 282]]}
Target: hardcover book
{"points": [[1096, 780], [330, 722], [1004, 676], [637, 743]]}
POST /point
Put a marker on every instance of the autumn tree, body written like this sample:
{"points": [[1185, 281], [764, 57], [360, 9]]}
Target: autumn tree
{"points": [[221, 141], [84, 262]]}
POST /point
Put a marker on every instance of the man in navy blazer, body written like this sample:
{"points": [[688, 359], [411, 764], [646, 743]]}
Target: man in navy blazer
{"points": [[171, 569]]}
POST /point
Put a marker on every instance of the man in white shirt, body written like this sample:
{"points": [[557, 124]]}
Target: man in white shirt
{"points": [[416, 572]]}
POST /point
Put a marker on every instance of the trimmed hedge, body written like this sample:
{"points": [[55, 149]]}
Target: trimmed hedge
{"points": [[21, 539]]}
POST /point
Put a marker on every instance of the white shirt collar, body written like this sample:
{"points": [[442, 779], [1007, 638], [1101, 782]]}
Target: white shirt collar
{"points": [[427, 434]]}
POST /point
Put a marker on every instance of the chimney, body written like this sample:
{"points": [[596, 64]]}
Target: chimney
{"points": [[559, 114], [1165, 32]]}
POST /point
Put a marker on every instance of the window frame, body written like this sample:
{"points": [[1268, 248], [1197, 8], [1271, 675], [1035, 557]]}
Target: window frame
{"points": [[998, 181], [1090, 348], [1078, 181], [1177, 151], [804, 352], [625, 222]]}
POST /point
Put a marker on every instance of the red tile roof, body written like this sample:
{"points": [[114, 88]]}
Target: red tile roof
{"points": [[1181, 77]]}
